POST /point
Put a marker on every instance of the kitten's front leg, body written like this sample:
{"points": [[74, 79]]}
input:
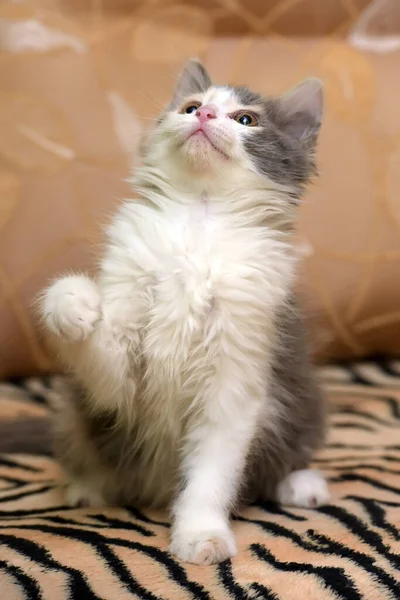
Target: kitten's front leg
{"points": [[71, 307], [96, 339], [216, 452]]}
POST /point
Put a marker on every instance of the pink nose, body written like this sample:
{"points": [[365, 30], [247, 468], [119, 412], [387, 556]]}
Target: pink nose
{"points": [[205, 112]]}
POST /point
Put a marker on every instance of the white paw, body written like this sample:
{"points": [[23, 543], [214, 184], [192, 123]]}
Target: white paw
{"points": [[305, 488], [71, 307], [81, 495], [203, 547]]}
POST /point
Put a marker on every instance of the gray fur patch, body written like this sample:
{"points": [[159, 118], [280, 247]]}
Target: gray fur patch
{"points": [[276, 151], [300, 429]]}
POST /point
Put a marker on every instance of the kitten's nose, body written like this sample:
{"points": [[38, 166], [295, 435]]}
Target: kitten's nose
{"points": [[205, 112]]}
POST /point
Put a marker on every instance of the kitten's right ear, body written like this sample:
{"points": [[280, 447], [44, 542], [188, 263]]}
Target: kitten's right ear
{"points": [[301, 111], [193, 80]]}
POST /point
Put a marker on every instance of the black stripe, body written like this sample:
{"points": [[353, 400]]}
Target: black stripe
{"points": [[365, 562], [356, 466], [27, 584], [347, 458], [276, 509], [384, 365], [28, 513], [360, 379], [17, 381], [365, 415], [352, 425], [373, 482], [96, 540], [175, 571], [115, 565], [334, 578], [377, 515], [360, 530], [263, 592], [7, 462], [387, 502], [137, 514], [328, 547], [115, 523], [106, 524], [78, 585], [41, 490], [338, 446], [13, 481], [392, 404], [235, 590]]}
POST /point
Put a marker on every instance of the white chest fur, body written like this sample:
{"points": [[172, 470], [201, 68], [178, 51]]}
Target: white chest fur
{"points": [[182, 256], [201, 279]]}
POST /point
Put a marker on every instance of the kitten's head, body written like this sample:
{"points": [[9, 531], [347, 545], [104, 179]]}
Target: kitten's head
{"points": [[208, 127]]}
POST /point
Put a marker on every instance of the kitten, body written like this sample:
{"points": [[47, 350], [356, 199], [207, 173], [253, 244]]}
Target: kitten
{"points": [[195, 385]]}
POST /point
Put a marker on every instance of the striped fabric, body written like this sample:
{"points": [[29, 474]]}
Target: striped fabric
{"points": [[348, 550]]}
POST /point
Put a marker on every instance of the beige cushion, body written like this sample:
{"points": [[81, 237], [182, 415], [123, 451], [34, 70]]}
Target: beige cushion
{"points": [[76, 92]]}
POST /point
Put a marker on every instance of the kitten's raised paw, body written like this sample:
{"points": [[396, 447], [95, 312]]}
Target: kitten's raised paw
{"points": [[71, 307], [203, 547], [305, 488]]}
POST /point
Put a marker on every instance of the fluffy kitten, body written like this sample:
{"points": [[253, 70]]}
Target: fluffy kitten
{"points": [[189, 350]]}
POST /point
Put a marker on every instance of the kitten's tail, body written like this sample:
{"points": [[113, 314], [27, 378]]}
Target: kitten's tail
{"points": [[28, 435]]}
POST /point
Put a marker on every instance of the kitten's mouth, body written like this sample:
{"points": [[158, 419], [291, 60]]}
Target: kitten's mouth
{"points": [[201, 134]]}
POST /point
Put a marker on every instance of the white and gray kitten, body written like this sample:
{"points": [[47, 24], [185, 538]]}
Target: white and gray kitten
{"points": [[195, 389]]}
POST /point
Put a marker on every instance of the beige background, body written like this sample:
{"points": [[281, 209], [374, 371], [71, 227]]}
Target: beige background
{"points": [[79, 81]]}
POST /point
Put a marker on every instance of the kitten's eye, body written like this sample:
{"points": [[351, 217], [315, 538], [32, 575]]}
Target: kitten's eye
{"points": [[246, 118], [190, 108]]}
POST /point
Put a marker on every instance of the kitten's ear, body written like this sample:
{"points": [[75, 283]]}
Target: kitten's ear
{"points": [[192, 80], [301, 110]]}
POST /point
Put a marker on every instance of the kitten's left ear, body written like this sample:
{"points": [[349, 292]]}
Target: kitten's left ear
{"points": [[301, 110], [193, 80]]}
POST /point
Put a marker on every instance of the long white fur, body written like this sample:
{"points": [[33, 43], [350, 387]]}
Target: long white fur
{"points": [[191, 279]]}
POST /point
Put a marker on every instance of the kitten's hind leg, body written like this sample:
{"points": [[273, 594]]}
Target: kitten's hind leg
{"points": [[81, 495], [86, 480], [305, 488]]}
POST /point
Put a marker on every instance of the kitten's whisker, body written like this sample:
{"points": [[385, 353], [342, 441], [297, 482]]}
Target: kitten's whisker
{"points": [[148, 118], [157, 102]]}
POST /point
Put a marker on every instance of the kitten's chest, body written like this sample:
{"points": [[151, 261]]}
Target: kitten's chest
{"points": [[195, 230], [212, 279], [198, 246], [205, 254]]}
